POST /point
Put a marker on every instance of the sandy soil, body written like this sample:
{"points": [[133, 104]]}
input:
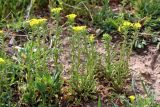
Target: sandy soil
{"points": [[141, 67]]}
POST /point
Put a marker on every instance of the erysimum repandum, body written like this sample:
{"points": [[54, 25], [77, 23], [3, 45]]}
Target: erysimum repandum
{"points": [[71, 17], [56, 10], [37, 22], [132, 98], [91, 38], [2, 61], [126, 25], [79, 28], [137, 25], [1, 31]]}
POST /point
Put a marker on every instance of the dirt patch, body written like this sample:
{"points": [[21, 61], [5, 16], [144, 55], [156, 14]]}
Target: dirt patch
{"points": [[142, 68]]}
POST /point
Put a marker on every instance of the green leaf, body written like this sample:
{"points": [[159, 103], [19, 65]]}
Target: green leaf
{"points": [[41, 86]]}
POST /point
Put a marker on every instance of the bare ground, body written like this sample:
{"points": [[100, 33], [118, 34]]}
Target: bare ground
{"points": [[143, 68]]}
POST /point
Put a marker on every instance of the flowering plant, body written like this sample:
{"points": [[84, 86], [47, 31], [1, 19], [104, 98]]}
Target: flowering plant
{"points": [[2, 61], [56, 10], [78, 29], [36, 22]]}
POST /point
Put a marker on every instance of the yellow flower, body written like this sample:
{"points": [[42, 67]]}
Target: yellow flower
{"points": [[132, 98], [122, 28], [2, 61], [79, 28], [71, 16], [36, 22], [127, 24], [1, 31], [33, 22], [137, 25], [56, 10], [91, 38]]}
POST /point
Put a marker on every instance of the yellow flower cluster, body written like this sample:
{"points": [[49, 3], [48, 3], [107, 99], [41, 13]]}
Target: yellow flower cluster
{"points": [[71, 17], [137, 25], [36, 22], [79, 28], [132, 98], [126, 24], [2, 61], [1, 31], [56, 10], [91, 38]]}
